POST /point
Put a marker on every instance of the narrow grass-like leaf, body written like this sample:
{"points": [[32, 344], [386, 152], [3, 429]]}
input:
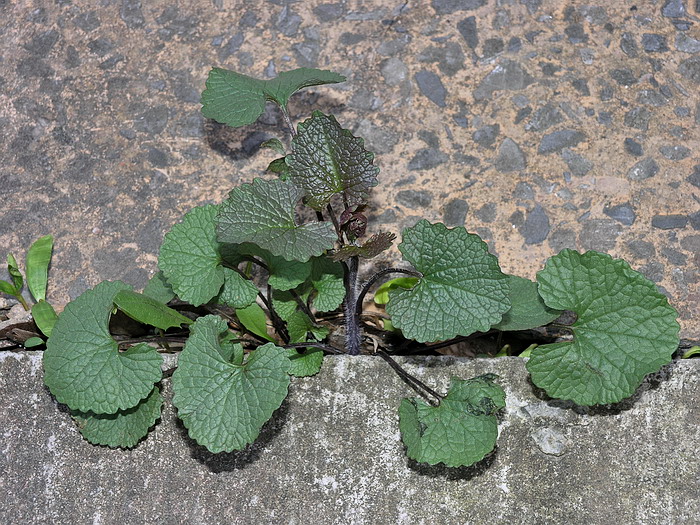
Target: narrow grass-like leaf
{"points": [[381, 296], [625, 329], [33, 342], [15, 273], [462, 290], [83, 367], [149, 311], [44, 316], [124, 428], [159, 288], [460, 431], [224, 405], [527, 307], [37, 261], [263, 213], [327, 160]]}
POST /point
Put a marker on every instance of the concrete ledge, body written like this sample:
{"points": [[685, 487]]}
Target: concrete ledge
{"points": [[333, 455]]}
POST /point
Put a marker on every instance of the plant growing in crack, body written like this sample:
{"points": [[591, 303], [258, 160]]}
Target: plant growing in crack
{"points": [[258, 290]]}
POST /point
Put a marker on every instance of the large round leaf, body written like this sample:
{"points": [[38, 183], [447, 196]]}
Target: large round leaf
{"points": [[83, 367], [625, 329], [462, 290]]}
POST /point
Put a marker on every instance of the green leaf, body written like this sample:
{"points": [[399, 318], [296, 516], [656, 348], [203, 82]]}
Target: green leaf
{"points": [[237, 292], [327, 160], [527, 307], [253, 318], [38, 260], [149, 311], [693, 351], [159, 288], [283, 274], [15, 274], [460, 431], [279, 166], [263, 213], [7, 288], [224, 405], [275, 145], [124, 428], [33, 342], [83, 367], [462, 290], [44, 316], [235, 99], [190, 256], [381, 296], [625, 329], [327, 280], [305, 364], [371, 248], [300, 325]]}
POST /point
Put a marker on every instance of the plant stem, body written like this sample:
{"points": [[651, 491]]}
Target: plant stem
{"points": [[353, 335], [310, 344], [376, 277], [288, 121], [334, 219], [413, 381], [276, 320], [23, 302]]}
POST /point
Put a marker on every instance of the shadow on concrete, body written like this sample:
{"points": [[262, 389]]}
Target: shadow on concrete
{"points": [[453, 473], [237, 460]]}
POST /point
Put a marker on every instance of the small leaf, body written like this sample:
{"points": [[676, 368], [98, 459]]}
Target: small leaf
{"points": [[15, 274], [7, 288], [190, 256], [224, 405], [275, 145], [371, 248], [149, 311], [83, 367], [237, 292], [305, 364], [327, 280], [279, 166], [124, 428], [235, 99], [625, 329], [327, 160], [263, 213], [38, 260], [460, 431], [527, 307], [159, 288], [283, 274], [693, 351], [462, 290], [33, 342], [44, 316], [381, 296], [253, 318], [299, 325]]}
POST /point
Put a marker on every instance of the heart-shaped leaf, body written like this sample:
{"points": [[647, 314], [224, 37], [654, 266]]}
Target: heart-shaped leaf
{"points": [[527, 307]]}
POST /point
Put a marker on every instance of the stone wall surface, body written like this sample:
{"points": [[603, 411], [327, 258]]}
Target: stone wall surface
{"points": [[538, 124], [332, 454]]}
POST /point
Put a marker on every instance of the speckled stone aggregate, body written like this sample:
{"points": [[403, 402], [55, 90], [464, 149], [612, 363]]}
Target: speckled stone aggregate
{"points": [[537, 124]]}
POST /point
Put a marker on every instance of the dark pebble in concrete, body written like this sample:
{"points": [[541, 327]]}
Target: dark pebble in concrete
{"points": [[653, 271], [674, 256], [669, 222], [651, 97], [535, 228], [690, 69], [152, 121], [673, 9], [558, 140], [467, 28], [447, 7], [508, 75], [599, 234], [510, 157], [654, 43], [131, 13], [687, 44], [628, 45], [643, 169], [329, 12], [641, 249], [633, 148], [622, 213], [485, 136], [427, 158], [695, 222], [487, 213], [694, 178], [578, 165], [431, 86], [545, 117], [638, 118], [414, 198], [624, 77], [455, 212], [675, 152]]}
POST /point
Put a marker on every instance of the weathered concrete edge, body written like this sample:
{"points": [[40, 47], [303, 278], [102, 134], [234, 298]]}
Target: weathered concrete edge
{"points": [[333, 452]]}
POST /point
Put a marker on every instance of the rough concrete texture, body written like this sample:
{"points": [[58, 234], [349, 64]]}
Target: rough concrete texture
{"points": [[332, 454], [560, 124]]}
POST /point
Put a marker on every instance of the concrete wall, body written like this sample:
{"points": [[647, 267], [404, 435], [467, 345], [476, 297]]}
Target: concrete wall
{"points": [[332, 454]]}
